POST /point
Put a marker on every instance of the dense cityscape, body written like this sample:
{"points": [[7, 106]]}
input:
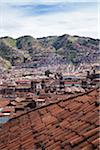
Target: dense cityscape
{"points": [[27, 90]]}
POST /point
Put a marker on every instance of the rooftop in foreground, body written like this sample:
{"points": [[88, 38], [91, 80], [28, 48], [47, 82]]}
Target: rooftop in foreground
{"points": [[63, 125]]}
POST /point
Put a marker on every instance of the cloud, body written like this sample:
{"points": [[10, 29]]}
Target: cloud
{"points": [[40, 19], [24, 2], [45, 1]]}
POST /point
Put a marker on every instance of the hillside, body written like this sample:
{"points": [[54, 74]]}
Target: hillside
{"points": [[4, 64], [51, 50], [73, 48]]}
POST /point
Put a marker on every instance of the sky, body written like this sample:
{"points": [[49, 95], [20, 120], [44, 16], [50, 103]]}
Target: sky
{"points": [[40, 18]]}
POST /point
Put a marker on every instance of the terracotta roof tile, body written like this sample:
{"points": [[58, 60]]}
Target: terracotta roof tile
{"points": [[4, 103], [91, 132], [54, 145], [63, 125], [54, 109], [96, 141], [81, 145], [48, 119], [87, 147], [93, 138], [76, 140]]}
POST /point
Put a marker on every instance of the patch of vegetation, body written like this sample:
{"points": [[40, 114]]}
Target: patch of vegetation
{"points": [[72, 39], [6, 64], [10, 41]]}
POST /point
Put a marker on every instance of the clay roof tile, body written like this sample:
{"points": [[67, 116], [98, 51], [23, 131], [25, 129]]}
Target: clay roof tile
{"points": [[68, 124]]}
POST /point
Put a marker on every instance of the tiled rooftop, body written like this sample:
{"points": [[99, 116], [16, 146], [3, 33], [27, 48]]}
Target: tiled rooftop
{"points": [[63, 125]]}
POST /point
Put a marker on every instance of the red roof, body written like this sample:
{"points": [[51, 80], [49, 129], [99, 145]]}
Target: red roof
{"points": [[4, 103], [64, 125], [72, 82], [22, 81]]}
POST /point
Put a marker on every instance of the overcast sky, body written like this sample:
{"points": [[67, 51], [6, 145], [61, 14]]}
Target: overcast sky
{"points": [[49, 17]]}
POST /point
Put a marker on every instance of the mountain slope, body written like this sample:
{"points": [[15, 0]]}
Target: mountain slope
{"points": [[10, 52], [4, 64], [50, 50], [73, 48]]}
